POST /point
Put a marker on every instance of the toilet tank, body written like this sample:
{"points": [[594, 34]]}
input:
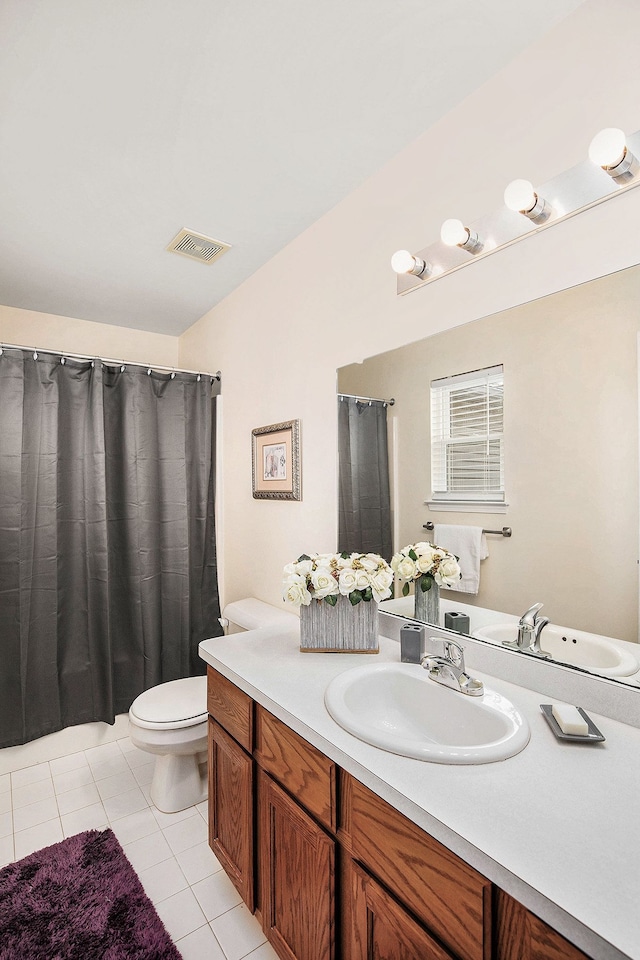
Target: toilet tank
{"points": [[249, 614]]}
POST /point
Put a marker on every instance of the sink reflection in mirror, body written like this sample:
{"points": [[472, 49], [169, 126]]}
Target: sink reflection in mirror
{"points": [[602, 655], [398, 708], [571, 462]]}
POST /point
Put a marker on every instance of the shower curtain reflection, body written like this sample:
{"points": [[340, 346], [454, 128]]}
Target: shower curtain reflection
{"points": [[364, 500], [107, 547]]}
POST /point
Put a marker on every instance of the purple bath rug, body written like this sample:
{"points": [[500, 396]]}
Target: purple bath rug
{"points": [[79, 900]]}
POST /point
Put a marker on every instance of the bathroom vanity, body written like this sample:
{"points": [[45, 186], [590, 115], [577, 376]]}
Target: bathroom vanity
{"points": [[346, 851]]}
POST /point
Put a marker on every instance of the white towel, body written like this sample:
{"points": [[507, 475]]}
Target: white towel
{"points": [[469, 544]]}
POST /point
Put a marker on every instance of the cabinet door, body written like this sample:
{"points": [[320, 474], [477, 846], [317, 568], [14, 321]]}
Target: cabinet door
{"points": [[520, 935], [231, 810], [383, 930], [297, 870]]}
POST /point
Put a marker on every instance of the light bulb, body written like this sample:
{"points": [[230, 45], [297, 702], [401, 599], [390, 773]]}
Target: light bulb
{"points": [[404, 262], [454, 233], [608, 148], [520, 196]]}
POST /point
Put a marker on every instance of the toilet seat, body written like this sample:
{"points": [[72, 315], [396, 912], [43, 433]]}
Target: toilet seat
{"points": [[172, 705]]}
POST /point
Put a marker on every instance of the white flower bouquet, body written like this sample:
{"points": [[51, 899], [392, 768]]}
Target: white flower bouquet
{"points": [[327, 576], [426, 564]]}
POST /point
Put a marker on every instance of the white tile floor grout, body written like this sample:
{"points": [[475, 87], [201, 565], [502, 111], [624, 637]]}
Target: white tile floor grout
{"points": [[108, 786]]}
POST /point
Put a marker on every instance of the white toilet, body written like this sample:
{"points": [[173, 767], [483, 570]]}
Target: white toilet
{"points": [[170, 720]]}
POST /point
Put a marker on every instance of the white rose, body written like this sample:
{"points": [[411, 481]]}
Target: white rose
{"points": [[381, 583], [448, 572], [304, 567], [406, 569], [344, 562], [425, 559], [370, 562], [422, 547], [324, 583], [347, 582], [325, 559], [295, 591], [362, 580]]}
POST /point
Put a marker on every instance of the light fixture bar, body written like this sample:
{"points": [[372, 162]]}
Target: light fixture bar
{"points": [[581, 187]]}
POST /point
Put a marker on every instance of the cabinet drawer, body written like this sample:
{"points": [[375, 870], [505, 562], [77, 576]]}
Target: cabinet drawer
{"points": [[449, 897], [304, 771], [231, 707]]}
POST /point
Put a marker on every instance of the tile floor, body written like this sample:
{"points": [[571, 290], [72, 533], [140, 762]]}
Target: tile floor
{"points": [[109, 786]]}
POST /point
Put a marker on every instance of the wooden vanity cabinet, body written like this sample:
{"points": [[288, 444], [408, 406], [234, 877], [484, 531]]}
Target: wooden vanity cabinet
{"points": [[332, 871]]}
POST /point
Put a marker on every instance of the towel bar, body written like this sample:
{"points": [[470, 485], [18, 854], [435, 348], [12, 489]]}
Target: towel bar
{"points": [[505, 532]]}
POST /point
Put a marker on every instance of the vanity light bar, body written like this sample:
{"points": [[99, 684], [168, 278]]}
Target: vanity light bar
{"points": [[611, 169]]}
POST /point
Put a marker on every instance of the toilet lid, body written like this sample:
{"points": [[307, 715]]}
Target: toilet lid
{"points": [[177, 700]]}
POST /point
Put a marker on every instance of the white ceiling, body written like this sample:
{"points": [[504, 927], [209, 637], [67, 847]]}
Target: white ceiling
{"points": [[122, 121]]}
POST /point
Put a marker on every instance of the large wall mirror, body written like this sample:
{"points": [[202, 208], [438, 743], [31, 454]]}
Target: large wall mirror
{"points": [[571, 451]]}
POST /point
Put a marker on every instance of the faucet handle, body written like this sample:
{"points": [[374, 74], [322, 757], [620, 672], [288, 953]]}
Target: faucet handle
{"points": [[531, 615], [455, 653], [444, 649]]}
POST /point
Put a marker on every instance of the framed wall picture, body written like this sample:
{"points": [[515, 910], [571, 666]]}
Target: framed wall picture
{"points": [[276, 461]]}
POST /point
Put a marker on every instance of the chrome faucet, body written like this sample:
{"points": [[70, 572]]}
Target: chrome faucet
{"points": [[530, 626], [444, 659]]}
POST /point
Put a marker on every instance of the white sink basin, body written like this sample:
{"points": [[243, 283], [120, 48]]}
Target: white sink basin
{"points": [[575, 647], [397, 707]]}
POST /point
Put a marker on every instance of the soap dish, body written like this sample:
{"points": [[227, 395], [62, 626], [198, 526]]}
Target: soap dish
{"points": [[594, 735]]}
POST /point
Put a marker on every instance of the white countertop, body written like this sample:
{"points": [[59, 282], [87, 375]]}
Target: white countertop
{"points": [[555, 826]]}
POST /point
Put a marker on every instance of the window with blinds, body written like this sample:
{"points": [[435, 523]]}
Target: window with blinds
{"points": [[467, 443]]}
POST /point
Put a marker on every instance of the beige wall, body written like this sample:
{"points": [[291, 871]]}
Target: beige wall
{"points": [[329, 298], [571, 449], [49, 332]]}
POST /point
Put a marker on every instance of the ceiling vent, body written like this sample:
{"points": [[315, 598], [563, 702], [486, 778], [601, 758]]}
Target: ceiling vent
{"points": [[198, 247]]}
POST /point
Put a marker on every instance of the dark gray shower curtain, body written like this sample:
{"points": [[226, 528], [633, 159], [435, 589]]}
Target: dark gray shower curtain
{"points": [[364, 499], [107, 546]]}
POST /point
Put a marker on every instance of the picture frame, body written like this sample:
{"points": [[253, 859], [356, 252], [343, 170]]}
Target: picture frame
{"points": [[275, 461]]}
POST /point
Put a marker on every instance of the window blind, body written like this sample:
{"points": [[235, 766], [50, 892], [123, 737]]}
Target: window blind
{"points": [[467, 444]]}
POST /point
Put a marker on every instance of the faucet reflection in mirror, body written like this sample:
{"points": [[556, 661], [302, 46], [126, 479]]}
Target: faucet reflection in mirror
{"points": [[530, 626]]}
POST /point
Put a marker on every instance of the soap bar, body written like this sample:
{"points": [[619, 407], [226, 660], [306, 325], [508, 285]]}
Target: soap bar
{"points": [[570, 720]]}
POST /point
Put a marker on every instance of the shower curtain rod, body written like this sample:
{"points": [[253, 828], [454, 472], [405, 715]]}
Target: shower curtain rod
{"points": [[352, 396], [127, 363]]}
